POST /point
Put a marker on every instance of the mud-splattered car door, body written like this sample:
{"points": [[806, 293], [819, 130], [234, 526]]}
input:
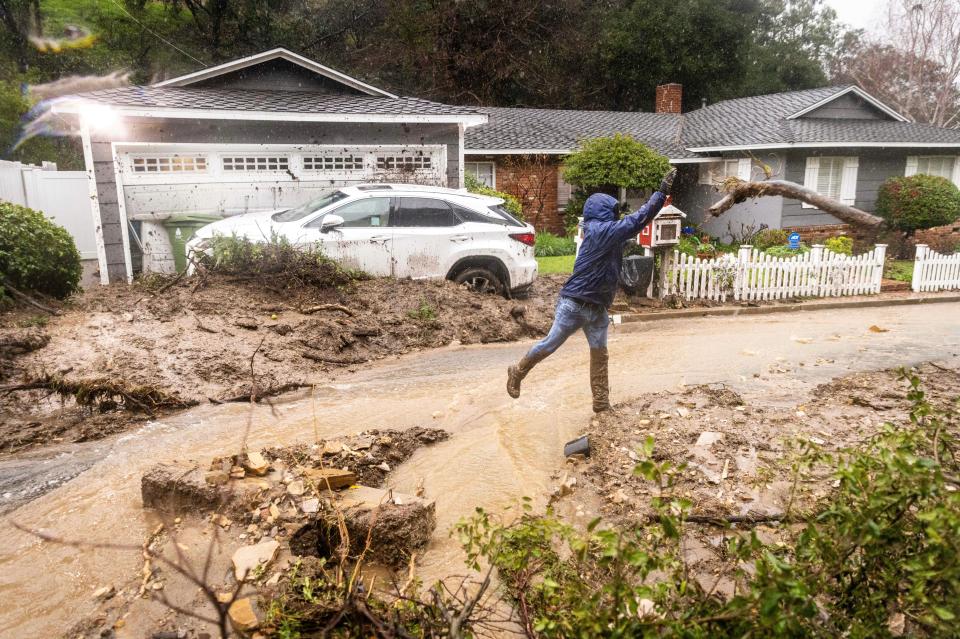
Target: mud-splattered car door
{"points": [[363, 241], [425, 234]]}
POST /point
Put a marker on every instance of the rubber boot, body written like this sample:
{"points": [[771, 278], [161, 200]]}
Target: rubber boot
{"points": [[599, 383], [515, 374]]}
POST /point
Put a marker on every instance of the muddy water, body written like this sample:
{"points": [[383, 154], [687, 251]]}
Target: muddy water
{"points": [[500, 449]]}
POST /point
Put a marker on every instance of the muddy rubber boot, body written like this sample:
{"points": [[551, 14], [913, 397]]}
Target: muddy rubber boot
{"points": [[599, 383], [515, 374]]}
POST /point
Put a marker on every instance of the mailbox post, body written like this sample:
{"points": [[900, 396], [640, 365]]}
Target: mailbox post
{"points": [[660, 236]]}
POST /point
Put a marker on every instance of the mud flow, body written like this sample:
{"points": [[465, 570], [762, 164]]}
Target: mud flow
{"points": [[498, 449]]}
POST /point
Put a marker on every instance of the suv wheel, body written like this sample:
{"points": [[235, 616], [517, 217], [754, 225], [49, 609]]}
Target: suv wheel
{"points": [[480, 280]]}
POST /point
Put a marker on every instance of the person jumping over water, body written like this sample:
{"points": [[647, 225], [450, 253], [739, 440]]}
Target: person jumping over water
{"points": [[586, 296]]}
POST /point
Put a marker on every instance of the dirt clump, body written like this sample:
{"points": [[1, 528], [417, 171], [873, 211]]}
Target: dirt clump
{"points": [[197, 339]]}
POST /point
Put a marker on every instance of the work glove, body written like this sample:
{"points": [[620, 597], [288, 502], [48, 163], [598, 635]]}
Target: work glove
{"points": [[667, 185]]}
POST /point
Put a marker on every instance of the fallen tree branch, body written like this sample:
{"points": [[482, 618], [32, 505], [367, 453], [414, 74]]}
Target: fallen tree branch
{"points": [[738, 191], [327, 359], [327, 307], [23, 297], [98, 392], [268, 392]]}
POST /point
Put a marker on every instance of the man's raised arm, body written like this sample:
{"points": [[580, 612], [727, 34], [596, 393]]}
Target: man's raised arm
{"points": [[631, 224]]}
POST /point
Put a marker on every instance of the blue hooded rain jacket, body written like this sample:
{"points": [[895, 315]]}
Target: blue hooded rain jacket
{"points": [[596, 272]]}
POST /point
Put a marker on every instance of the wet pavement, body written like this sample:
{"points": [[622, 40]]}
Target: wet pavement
{"points": [[500, 450]]}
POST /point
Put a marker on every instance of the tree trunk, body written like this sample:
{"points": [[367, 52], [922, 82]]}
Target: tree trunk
{"points": [[738, 191]]}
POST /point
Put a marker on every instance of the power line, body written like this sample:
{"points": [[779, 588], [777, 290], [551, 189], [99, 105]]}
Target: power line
{"points": [[155, 34]]}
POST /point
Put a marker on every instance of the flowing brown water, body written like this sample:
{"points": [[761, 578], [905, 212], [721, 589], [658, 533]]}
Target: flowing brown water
{"points": [[500, 450]]}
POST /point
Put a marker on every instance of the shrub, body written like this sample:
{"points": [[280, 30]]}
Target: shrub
{"points": [[36, 254], [550, 245], [770, 237], [276, 262], [918, 202], [784, 250], [618, 161], [841, 244], [511, 203]]}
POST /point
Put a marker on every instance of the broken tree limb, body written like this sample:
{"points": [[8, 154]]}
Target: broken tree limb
{"points": [[327, 307], [23, 297], [738, 191], [268, 392], [326, 359]]}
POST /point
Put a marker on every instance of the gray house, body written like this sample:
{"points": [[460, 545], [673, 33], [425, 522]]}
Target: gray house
{"points": [[839, 141], [258, 133]]}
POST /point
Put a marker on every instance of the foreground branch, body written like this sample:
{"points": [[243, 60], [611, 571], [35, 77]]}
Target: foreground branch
{"points": [[738, 191]]}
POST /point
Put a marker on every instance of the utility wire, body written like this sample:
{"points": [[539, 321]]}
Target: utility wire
{"points": [[155, 34]]}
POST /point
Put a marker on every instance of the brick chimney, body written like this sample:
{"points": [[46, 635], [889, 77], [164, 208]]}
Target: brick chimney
{"points": [[669, 97]]}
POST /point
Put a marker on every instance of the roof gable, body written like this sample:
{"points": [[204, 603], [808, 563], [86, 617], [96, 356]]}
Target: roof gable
{"points": [[278, 61], [850, 102]]}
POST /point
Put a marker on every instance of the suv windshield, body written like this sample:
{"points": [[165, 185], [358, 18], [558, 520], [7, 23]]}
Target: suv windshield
{"points": [[325, 199]]}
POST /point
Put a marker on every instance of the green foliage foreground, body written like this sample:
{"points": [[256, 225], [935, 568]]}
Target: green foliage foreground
{"points": [[37, 255], [918, 202], [880, 552]]}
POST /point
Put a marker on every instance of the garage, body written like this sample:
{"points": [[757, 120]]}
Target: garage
{"points": [[257, 134]]}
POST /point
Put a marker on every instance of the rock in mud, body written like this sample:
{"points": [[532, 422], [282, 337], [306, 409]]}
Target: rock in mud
{"points": [[332, 478], [243, 615], [255, 464], [247, 558]]}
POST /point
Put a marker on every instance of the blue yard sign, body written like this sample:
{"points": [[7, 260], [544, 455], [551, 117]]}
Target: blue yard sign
{"points": [[794, 239]]}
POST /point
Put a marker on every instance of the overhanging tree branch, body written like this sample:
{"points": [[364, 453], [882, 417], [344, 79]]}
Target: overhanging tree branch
{"points": [[738, 191]]}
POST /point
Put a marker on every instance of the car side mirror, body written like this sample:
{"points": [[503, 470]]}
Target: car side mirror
{"points": [[330, 222]]}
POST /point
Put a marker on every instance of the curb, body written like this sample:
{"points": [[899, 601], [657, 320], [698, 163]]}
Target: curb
{"points": [[722, 311]]}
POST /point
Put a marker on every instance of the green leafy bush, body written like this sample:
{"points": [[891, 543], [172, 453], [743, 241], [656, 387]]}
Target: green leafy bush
{"points": [[511, 203], [36, 254], [550, 245], [841, 244], [918, 202], [881, 544], [784, 250], [619, 161], [276, 262], [770, 237]]}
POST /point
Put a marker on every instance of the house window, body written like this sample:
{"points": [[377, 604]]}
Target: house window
{"points": [[404, 162], [945, 166], [833, 177], [333, 163], [256, 163], [483, 171], [715, 172], [169, 164]]}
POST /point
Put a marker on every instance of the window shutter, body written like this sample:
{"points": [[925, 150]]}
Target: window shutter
{"points": [[810, 178], [848, 182], [956, 171], [743, 169], [912, 163]]}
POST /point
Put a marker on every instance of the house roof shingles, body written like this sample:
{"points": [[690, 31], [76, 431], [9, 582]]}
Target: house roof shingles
{"points": [[742, 122], [153, 97], [557, 129]]}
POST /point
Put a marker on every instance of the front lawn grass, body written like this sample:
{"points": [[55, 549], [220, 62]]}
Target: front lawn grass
{"points": [[556, 264]]}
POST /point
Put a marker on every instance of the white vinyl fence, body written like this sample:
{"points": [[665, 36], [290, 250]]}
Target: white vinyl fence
{"points": [[755, 275], [934, 271], [61, 195]]}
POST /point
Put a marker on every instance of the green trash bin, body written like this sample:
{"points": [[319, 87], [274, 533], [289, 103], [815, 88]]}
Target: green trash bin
{"points": [[183, 227]]}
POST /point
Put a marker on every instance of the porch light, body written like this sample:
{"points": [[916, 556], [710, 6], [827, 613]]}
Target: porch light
{"points": [[100, 118]]}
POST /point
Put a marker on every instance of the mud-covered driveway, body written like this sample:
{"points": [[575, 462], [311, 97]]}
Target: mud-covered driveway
{"points": [[499, 450]]}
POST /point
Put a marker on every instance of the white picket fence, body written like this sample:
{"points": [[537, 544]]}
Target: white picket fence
{"points": [[755, 275], [934, 271]]}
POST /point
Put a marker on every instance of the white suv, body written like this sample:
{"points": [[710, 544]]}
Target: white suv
{"points": [[401, 230]]}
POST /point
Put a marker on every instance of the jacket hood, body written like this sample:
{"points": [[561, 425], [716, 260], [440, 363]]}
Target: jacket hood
{"points": [[600, 207]]}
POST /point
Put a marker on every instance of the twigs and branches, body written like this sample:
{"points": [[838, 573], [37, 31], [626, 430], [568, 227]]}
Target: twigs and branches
{"points": [[103, 393], [27, 299]]}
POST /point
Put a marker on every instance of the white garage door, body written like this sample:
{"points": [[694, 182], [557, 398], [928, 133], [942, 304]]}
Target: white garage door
{"points": [[160, 180]]}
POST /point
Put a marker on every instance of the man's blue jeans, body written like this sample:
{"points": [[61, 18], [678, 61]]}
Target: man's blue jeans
{"points": [[572, 315]]}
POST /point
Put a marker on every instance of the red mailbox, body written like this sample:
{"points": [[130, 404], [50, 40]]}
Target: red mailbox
{"points": [[664, 229]]}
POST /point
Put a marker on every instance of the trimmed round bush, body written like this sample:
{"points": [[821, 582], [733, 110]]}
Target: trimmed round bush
{"points": [[918, 202], [770, 237], [619, 161], [36, 254]]}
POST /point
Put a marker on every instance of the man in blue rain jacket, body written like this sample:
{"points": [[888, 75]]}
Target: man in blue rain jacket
{"points": [[589, 292]]}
